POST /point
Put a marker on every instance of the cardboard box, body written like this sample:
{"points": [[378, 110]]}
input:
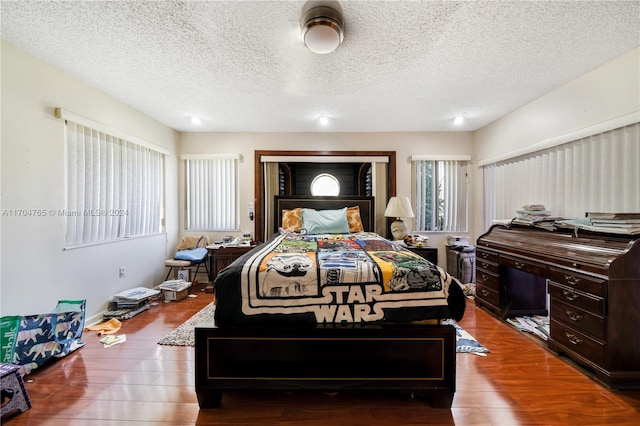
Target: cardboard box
{"points": [[175, 296], [183, 274]]}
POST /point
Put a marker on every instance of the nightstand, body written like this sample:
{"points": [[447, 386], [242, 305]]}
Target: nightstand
{"points": [[426, 252], [221, 257]]}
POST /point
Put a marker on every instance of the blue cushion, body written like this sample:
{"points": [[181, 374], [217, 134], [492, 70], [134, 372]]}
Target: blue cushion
{"points": [[193, 255], [325, 221]]}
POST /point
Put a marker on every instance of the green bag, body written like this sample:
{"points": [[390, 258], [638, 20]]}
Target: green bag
{"points": [[9, 329]]}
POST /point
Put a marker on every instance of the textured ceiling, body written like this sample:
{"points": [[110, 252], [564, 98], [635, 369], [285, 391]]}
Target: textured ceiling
{"points": [[403, 65]]}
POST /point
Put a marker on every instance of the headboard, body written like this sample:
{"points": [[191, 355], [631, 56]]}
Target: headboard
{"points": [[366, 204]]}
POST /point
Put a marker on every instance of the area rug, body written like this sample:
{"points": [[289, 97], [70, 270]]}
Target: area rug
{"points": [[466, 343], [184, 335]]}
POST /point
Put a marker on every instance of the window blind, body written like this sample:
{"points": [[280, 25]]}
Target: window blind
{"points": [[441, 195], [212, 188], [595, 173], [114, 187]]}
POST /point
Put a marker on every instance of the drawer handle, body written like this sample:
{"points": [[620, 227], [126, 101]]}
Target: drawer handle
{"points": [[484, 265], [519, 264], [574, 316], [572, 280], [485, 277], [569, 295], [484, 255], [484, 292], [573, 338]]}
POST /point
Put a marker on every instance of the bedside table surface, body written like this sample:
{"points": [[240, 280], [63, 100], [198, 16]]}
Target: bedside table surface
{"points": [[429, 253]]}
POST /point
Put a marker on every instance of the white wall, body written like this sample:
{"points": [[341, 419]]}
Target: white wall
{"points": [[36, 271], [405, 145], [608, 95]]}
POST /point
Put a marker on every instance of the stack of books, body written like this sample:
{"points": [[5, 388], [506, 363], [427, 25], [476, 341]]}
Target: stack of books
{"points": [[613, 223], [534, 215], [130, 303], [537, 325]]}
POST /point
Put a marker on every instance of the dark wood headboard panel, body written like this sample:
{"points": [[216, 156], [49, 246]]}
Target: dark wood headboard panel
{"points": [[366, 204]]}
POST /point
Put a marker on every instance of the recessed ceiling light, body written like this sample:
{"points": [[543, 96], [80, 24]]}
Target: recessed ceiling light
{"points": [[458, 120], [196, 120], [324, 121]]}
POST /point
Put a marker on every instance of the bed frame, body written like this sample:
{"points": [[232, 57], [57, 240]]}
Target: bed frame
{"points": [[413, 358]]}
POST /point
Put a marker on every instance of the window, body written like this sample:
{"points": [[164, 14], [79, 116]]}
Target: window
{"points": [[212, 193], [600, 172], [325, 184], [114, 185], [440, 195]]}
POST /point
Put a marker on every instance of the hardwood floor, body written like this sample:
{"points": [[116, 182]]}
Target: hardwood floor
{"points": [[140, 382]]}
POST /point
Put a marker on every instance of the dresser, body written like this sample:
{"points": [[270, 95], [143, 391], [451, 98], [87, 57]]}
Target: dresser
{"points": [[588, 283], [221, 257]]}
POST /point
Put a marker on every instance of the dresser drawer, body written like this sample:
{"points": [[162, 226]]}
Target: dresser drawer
{"points": [[524, 265], [577, 298], [579, 319], [579, 282], [487, 266], [578, 342], [486, 255], [488, 296], [488, 280]]}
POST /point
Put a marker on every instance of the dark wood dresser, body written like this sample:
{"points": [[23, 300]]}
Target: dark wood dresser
{"points": [[221, 257], [593, 282]]}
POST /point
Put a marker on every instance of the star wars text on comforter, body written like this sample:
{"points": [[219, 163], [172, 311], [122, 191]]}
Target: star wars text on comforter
{"points": [[319, 279]]}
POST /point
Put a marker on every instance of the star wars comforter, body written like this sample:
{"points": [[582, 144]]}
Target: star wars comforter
{"points": [[333, 279]]}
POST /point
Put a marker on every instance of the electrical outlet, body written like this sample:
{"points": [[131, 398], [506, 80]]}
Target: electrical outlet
{"points": [[122, 271]]}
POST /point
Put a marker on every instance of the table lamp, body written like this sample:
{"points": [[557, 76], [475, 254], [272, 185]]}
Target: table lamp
{"points": [[399, 207]]}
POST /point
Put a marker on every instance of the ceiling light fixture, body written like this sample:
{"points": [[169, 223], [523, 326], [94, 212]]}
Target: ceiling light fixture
{"points": [[324, 121], [196, 120], [322, 29], [458, 121]]}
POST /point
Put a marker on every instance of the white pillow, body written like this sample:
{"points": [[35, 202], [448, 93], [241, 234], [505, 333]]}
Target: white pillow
{"points": [[325, 221]]}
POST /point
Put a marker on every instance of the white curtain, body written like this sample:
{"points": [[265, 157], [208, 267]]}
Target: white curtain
{"points": [[596, 173], [114, 187], [271, 185], [441, 195], [212, 188], [489, 193]]}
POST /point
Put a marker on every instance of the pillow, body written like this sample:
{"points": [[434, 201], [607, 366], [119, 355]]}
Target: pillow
{"points": [[354, 220], [292, 220], [325, 221]]}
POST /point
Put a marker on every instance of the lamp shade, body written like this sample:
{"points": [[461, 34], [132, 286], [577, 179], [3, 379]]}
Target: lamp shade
{"points": [[399, 207]]}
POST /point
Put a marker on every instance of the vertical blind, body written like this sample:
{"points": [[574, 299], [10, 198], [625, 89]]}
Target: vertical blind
{"points": [[212, 188], [114, 187], [596, 173], [441, 195]]}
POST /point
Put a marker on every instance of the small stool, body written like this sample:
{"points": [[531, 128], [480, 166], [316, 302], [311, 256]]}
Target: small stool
{"points": [[14, 394]]}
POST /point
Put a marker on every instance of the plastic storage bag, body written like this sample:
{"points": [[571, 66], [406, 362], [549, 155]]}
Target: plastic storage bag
{"points": [[31, 340]]}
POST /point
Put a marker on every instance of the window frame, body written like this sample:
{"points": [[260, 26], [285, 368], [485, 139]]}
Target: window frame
{"points": [[451, 168], [108, 210], [214, 215]]}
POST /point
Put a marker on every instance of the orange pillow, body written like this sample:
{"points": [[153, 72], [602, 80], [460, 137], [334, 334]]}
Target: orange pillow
{"points": [[292, 220], [354, 220]]}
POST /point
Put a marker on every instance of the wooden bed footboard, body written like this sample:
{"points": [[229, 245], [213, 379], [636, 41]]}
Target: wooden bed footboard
{"points": [[407, 358]]}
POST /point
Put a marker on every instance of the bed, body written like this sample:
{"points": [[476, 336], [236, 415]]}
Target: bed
{"points": [[336, 311]]}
